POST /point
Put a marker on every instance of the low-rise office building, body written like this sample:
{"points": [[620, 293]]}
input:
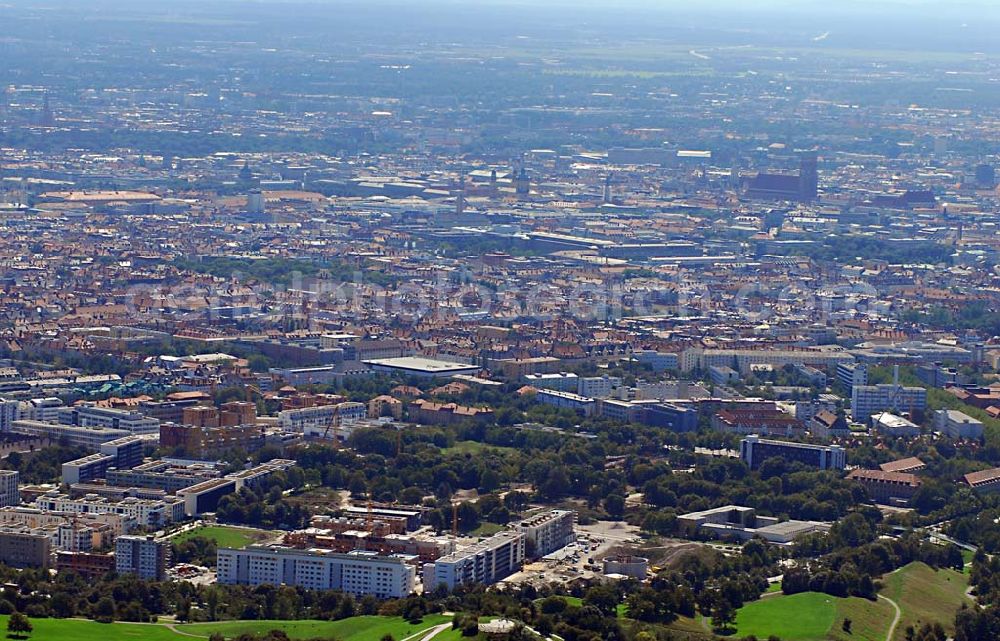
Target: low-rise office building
{"points": [[743, 523], [89, 437], [205, 496], [955, 424], [755, 450]]}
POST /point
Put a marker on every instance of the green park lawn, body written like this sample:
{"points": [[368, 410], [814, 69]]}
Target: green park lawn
{"points": [[224, 536], [798, 617], [926, 595], [812, 616], [922, 593], [362, 628]]}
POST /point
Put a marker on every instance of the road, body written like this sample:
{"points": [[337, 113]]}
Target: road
{"points": [[895, 620], [429, 633]]}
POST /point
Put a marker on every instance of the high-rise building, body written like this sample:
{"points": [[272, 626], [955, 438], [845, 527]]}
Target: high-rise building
{"points": [[851, 374], [255, 202], [144, 556], [9, 492]]}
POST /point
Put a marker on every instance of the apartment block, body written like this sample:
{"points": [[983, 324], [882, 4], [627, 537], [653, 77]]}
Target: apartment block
{"points": [[143, 556], [547, 532], [10, 494], [358, 572], [488, 561], [867, 400]]}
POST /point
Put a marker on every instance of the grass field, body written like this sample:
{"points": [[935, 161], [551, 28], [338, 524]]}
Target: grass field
{"points": [[798, 617], [812, 616], [922, 593], [474, 448], [224, 537], [926, 595], [487, 529], [364, 628]]}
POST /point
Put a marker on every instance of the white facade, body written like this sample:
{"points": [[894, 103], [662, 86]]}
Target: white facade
{"points": [[41, 409], [955, 424], [547, 532], [129, 421], [570, 400], [90, 437], [658, 361], [562, 381], [359, 573], [598, 386], [313, 421], [867, 400], [10, 411], [146, 513], [743, 359], [486, 562]]}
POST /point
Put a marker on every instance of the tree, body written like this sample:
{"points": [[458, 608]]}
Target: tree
{"points": [[723, 615], [614, 504], [18, 625], [846, 626], [104, 611]]}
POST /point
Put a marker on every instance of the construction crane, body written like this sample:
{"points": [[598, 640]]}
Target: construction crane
{"points": [[333, 424]]}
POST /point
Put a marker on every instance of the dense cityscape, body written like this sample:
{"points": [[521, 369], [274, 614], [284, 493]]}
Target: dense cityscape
{"points": [[437, 321]]}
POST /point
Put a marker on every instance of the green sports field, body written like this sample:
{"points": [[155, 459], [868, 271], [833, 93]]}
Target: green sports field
{"points": [[224, 536]]}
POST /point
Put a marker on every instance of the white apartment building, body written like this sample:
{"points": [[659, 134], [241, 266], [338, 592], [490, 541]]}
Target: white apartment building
{"points": [[359, 572], [549, 531], [314, 420], [146, 513], [598, 386], [35, 518], [867, 400], [41, 409], [10, 411], [127, 420], [486, 562]]}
